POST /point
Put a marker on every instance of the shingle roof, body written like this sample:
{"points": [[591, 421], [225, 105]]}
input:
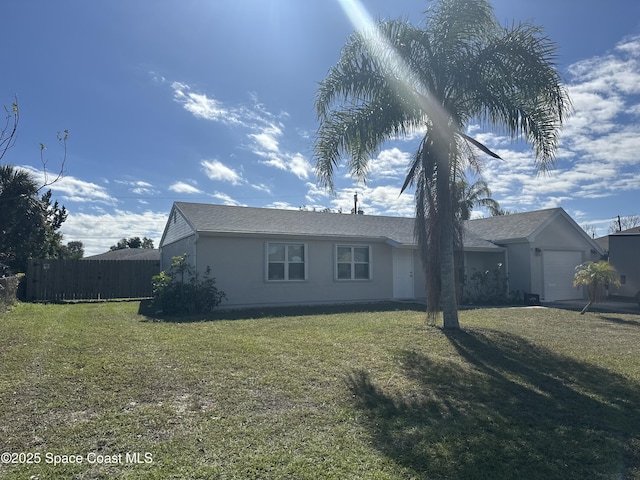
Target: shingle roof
{"points": [[604, 241], [247, 220], [127, 254], [504, 228], [480, 234]]}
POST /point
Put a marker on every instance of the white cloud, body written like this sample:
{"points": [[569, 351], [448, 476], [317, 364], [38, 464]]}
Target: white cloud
{"points": [[295, 163], [378, 200], [267, 139], [182, 187], [264, 129], [138, 187], [598, 153], [216, 170], [73, 189], [282, 206], [201, 105], [225, 199], [316, 193], [99, 231], [390, 163], [262, 187], [299, 166]]}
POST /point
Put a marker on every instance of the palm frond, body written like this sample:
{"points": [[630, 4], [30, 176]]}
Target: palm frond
{"points": [[479, 145], [517, 88]]}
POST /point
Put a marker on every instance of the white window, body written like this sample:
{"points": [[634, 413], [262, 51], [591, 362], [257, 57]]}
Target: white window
{"points": [[286, 262], [353, 262]]}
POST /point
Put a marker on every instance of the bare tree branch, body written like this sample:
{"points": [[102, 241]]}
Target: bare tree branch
{"points": [[62, 137], [10, 128]]}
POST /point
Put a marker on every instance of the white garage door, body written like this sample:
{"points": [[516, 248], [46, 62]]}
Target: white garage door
{"points": [[559, 271]]}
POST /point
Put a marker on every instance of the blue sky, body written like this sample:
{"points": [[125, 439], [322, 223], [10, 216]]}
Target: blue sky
{"points": [[212, 101]]}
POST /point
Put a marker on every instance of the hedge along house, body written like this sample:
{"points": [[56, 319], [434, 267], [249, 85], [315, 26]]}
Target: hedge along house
{"points": [[262, 256]]}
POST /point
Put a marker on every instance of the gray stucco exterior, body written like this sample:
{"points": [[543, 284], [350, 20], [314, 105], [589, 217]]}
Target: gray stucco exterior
{"points": [[236, 248], [543, 248], [624, 255]]}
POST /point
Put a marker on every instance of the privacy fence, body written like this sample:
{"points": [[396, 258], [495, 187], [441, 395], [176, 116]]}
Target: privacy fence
{"points": [[57, 280]]}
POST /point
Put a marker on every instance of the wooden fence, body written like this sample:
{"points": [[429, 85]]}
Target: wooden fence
{"points": [[57, 280]]}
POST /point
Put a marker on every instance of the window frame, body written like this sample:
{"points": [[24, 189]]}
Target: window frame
{"points": [[353, 263], [286, 262]]}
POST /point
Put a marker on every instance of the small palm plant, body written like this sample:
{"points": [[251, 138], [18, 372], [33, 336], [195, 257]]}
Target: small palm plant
{"points": [[597, 277]]}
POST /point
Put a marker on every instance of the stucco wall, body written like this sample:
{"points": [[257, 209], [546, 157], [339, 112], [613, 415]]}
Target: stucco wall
{"points": [[180, 247], [419, 279], [561, 235], [519, 268], [239, 266], [624, 255]]}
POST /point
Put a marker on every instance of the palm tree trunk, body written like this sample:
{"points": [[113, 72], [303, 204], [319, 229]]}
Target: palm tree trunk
{"points": [[586, 307], [448, 300]]}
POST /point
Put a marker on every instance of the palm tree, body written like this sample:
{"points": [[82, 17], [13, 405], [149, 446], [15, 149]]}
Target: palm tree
{"points": [[20, 210], [467, 195], [395, 79], [29, 223], [597, 277]]}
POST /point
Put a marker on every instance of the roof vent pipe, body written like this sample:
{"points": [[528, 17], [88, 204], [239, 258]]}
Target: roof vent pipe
{"points": [[355, 205]]}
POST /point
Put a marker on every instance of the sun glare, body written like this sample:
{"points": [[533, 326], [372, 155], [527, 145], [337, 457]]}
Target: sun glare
{"points": [[397, 69], [357, 14]]}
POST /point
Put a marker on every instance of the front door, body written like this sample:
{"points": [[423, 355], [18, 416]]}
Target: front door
{"points": [[402, 273]]}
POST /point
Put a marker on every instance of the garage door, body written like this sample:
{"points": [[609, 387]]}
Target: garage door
{"points": [[559, 268]]}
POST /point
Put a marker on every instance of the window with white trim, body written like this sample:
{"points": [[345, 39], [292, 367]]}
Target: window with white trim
{"points": [[286, 261], [353, 262]]}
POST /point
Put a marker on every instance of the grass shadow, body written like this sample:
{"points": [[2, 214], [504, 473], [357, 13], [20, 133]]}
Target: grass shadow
{"points": [[504, 409], [620, 321], [146, 309]]}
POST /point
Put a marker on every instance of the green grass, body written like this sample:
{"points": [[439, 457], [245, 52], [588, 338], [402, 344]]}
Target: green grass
{"points": [[378, 394]]}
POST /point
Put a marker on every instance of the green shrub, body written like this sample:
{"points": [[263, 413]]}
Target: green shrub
{"points": [[8, 289], [181, 291], [486, 288]]}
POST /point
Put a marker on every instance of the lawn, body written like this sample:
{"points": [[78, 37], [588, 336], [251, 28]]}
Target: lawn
{"points": [[99, 390]]}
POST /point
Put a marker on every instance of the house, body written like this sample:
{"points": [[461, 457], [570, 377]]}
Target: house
{"points": [[262, 256], [623, 249]]}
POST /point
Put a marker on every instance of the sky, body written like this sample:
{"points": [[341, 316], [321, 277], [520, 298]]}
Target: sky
{"points": [[212, 101]]}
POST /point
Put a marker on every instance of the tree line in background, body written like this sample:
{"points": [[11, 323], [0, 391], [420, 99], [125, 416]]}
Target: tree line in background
{"points": [[133, 242]]}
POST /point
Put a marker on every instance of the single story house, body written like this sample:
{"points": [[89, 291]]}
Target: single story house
{"points": [[263, 256]]}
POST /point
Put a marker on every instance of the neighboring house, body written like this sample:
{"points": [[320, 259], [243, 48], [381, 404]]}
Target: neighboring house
{"points": [[624, 254], [127, 254], [262, 256], [604, 241]]}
